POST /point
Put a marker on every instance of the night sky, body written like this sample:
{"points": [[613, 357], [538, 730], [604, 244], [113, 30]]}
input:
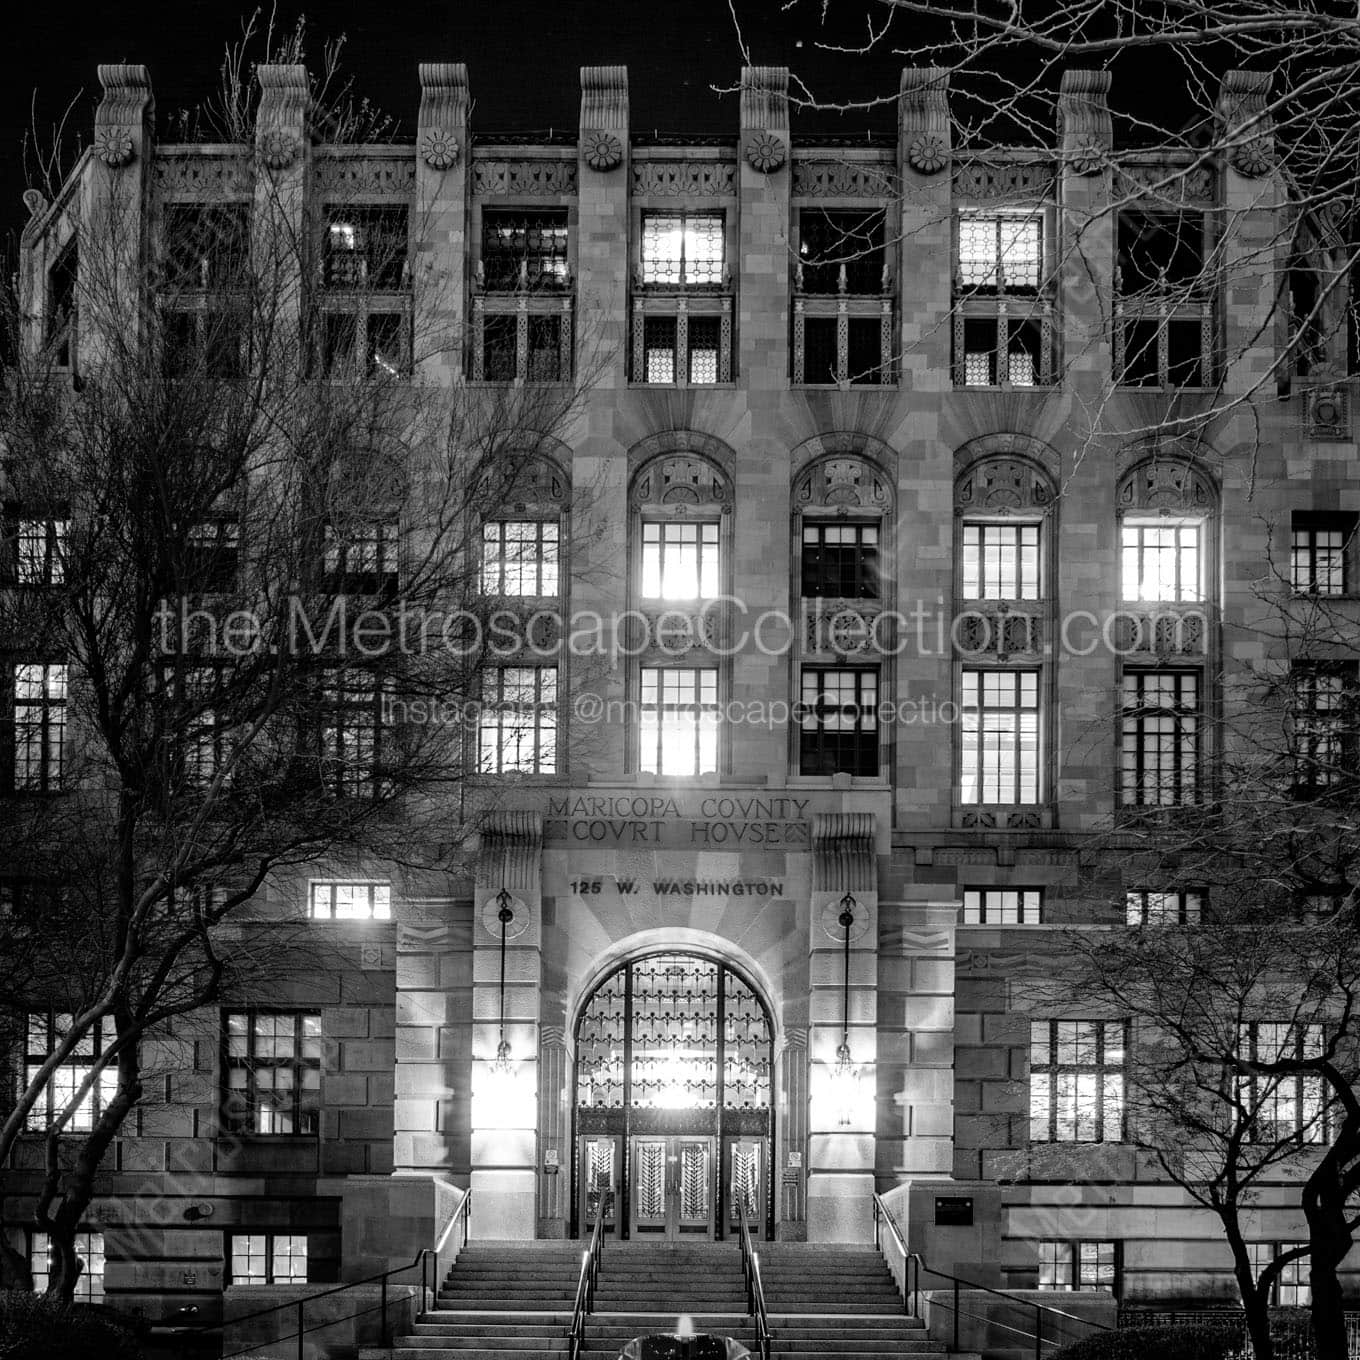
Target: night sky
{"points": [[523, 58]]}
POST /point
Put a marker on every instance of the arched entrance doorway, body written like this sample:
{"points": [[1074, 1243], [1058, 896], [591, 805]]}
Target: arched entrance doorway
{"points": [[673, 1100]]}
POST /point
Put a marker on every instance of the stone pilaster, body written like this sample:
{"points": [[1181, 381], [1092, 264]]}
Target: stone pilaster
{"points": [[505, 1105], [279, 233], [604, 173], [841, 1134], [763, 249], [113, 233], [1253, 246], [1085, 232], [440, 224]]}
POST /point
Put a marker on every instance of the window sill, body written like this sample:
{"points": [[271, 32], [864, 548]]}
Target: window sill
{"points": [[683, 387], [1042, 388], [1170, 387], [844, 387]]}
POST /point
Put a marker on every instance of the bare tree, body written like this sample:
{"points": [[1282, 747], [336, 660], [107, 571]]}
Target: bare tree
{"points": [[248, 600]]}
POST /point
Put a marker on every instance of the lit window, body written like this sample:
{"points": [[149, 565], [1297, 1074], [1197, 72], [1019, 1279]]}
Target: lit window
{"points": [[1162, 560], [1284, 1106], [518, 726], [267, 1258], [212, 555], [840, 561], [46, 1032], [1163, 908], [39, 551], [351, 901], [839, 722], [272, 1072], [999, 251], [680, 560], [1000, 737], [1003, 906], [1292, 1285], [678, 733], [39, 726], [1078, 1265], [520, 557], [1076, 1081], [1000, 561], [1317, 554], [700, 361], [89, 1248], [1159, 740], [682, 248]]}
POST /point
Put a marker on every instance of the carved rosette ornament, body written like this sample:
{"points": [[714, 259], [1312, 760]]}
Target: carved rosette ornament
{"points": [[1253, 158], [602, 151], [765, 152], [1087, 159], [439, 149], [113, 146], [927, 154], [278, 149]]}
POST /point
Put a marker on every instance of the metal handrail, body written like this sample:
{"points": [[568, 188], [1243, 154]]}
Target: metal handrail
{"points": [[423, 1258], [588, 1279], [916, 1263], [755, 1288]]}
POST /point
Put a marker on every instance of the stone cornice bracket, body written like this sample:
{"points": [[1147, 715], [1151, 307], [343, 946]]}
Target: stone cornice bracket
{"points": [[843, 852], [512, 851], [925, 131], [604, 117], [282, 123], [1085, 130], [765, 117], [1246, 127], [442, 125], [122, 122]]}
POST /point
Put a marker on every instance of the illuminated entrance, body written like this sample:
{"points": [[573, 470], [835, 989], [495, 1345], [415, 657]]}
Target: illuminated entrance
{"points": [[674, 1057]]}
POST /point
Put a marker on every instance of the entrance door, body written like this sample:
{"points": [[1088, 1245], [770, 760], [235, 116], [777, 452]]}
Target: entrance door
{"points": [[598, 1185], [745, 1183], [672, 1186]]}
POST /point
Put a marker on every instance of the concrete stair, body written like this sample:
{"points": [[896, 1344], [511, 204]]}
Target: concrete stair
{"points": [[513, 1301]]}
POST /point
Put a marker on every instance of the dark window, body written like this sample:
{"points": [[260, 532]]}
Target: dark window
{"points": [[545, 348], [207, 342], [1323, 714], [339, 335], [1159, 743], [352, 724], [499, 363], [1185, 352], [61, 304], [839, 722], [1320, 546], [362, 558], [1159, 248], [387, 347], [366, 248], [1142, 351], [206, 246], [863, 359], [1076, 1081], [819, 350], [272, 1072], [524, 249], [212, 556], [832, 244], [840, 560]]}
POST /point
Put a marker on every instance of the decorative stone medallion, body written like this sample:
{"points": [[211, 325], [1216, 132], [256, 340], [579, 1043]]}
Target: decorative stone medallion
{"points": [[927, 154], [1087, 159], [602, 150], [439, 149], [765, 152], [1253, 158], [514, 927], [278, 149], [1327, 417], [113, 146]]}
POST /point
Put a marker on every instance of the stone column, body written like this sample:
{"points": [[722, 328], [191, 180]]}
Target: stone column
{"points": [[504, 1102], [112, 245], [841, 1135], [439, 225]]}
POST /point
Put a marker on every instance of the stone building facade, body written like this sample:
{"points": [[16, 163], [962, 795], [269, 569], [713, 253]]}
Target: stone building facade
{"points": [[869, 391]]}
